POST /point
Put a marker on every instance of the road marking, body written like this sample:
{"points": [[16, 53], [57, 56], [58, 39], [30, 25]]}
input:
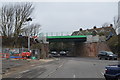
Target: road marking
{"points": [[37, 67], [60, 65], [32, 65], [113, 61], [55, 70], [50, 73], [24, 71], [102, 73], [19, 76], [74, 76]]}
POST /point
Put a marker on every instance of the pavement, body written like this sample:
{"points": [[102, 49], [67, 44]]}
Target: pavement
{"points": [[13, 65], [66, 67]]}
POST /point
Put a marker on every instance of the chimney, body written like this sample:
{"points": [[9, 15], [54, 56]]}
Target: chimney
{"points": [[80, 29], [111, 25], [94, 27]]}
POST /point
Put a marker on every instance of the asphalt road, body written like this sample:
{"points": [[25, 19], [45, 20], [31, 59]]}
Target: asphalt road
{"points": [[7, 64], [67, 67]]}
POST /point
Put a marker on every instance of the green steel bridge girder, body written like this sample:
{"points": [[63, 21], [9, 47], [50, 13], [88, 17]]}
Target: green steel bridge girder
{"points": [[80, 38]]}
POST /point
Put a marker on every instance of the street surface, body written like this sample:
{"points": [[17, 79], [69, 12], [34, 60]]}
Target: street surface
{"points": [[7, 64], [66, 67]]}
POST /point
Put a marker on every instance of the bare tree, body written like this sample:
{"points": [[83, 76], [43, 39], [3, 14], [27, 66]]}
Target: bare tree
{"points": [[117, 24], [22, 12], [117, 21], [105, 24], [13, 18], [7, 20], [36, 29], [32, 30]]}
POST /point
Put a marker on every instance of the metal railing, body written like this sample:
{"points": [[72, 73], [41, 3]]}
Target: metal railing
{"points": [[55, 34]]}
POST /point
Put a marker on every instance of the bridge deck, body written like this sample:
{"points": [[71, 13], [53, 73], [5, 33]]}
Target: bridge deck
{"points": [[80, 38]]}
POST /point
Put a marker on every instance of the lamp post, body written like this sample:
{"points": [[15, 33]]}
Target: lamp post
{"points": [[29, 19]]}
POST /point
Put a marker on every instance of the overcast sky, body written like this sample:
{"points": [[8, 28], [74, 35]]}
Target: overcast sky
{"points": [[70, 16], [66, 16]]}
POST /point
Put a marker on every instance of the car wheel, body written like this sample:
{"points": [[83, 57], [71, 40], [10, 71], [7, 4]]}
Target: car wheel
{"points": [[118, 78], [106, 78], [111, 78], [109, 58], [115, 58], [106, 58], [115, 79]]}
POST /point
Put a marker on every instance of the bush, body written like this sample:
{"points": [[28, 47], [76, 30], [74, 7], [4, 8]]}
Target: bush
{"points": [[114, 44]]}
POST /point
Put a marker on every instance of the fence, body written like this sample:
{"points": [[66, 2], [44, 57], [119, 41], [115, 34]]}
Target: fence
{"points": [[55, 34], [96, 38], [16, 52]]}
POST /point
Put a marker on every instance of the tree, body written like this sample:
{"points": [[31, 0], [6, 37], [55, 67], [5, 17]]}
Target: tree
{"points": [[105, 24], [117, 24], [22, 12], [7, 20], [13, 18], [31, 30]]}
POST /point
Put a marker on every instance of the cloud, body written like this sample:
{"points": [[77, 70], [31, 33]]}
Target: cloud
{"points": [[67, 16]]}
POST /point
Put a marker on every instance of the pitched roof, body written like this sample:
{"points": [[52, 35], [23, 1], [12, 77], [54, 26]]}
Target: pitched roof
{"points": [[105, 30]]}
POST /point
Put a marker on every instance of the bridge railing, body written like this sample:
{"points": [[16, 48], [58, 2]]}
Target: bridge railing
{"points": [[42, 37], [55, 34]]}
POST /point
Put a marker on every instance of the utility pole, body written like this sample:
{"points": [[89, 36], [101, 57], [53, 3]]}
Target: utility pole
{"points": [[29, 19]]}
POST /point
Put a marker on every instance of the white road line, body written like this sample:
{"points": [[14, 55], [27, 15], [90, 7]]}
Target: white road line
{"points": [[74, 76], [113, 61], [32, 65], [24, 71], [60, 65], [54, 70], [50, 73], [19, 76], [102, 73]]}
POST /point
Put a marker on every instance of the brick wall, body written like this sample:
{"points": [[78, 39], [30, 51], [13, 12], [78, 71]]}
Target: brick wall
{"points": [[90, 49]]}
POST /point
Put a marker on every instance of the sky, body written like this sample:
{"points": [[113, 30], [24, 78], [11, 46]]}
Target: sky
{"points": [[71, 16], [66, 16]]}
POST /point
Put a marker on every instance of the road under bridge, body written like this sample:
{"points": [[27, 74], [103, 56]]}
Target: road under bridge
{"points": [[72, 40], [80, 46]]}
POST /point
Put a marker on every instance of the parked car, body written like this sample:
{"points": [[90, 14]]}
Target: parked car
{"points": [[112, 72], [63, 53], [107, 55], [54, 54]]}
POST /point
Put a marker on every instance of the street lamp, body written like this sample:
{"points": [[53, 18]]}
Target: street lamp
{"points": [[29, 19]]}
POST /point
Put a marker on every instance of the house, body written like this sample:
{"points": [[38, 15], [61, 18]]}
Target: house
{"points": [[102, 31]]}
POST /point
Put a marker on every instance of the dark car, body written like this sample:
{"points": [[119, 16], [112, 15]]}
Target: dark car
{"points": [[112, 72], [54, 54], [107, 55]]}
